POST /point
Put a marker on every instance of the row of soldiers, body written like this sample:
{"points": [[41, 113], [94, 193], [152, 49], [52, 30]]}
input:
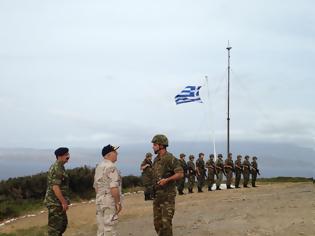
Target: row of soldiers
{"points": [[208, 171], [205, 172]]}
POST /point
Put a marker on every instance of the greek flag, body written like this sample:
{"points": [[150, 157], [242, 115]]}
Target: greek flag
{"points": [[188, 94]]}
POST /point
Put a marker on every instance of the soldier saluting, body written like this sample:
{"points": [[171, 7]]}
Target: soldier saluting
{"points": [[166, 170]]}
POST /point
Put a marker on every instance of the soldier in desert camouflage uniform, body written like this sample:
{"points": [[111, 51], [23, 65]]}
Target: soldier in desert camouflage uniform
{"points": [[107, 185], [166, 171], [57, 194]]}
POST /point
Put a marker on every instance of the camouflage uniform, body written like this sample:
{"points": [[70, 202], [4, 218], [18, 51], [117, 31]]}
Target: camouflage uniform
{"points": [[191, 173], [201, 172], [219, 166], [106, 177], [210, 165], [229, 168], [238, 171], [246, 171], [181, 183], [57, 217], [164, 201], [147, 176], [254, 171]]}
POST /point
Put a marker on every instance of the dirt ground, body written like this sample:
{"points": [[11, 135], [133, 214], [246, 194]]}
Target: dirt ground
{"points": [[282, 209]]}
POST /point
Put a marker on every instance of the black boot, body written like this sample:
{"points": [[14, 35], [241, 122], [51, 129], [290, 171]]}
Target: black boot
{"points": [[190, 190], [200, 190], [218, 188], [209, 188]]}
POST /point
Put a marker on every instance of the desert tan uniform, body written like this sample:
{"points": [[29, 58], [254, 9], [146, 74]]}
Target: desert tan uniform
{"points": [[106, 177]]}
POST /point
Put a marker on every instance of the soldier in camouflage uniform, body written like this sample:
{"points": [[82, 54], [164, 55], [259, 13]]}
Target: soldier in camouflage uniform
{"points": [[254, 171], [238, 171], [147, 177], [229, 169], [246, 171], [201, 172], [107, 185], [166, 171], [191, 173], [219, 166], [181, 183], [210, 165], [57, 194]]}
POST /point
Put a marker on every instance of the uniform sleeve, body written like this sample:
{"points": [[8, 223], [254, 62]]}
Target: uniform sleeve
{"points": [[113, 176], [176, 166], [56, 176]]}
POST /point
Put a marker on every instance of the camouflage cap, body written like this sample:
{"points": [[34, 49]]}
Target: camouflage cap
{"points": [[191, 157], [149, 154], [182, 155], [160, 139]]}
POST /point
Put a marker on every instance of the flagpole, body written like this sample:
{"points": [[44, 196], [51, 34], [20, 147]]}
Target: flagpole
{"points": [[228, 105]]}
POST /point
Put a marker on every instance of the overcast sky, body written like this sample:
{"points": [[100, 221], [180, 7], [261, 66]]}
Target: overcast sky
{"points": [[88, 73]]}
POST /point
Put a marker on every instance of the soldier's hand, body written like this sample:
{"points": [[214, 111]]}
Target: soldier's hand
{"points": [[118, 207], [65, 206], [162, 182]]}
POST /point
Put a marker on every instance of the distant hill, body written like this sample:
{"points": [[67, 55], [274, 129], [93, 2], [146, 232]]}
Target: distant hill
{"points": [[275, 159]]}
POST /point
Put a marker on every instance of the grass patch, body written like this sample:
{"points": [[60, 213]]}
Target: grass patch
{"points": [[33, 231], [11, 208], [283, 179]]}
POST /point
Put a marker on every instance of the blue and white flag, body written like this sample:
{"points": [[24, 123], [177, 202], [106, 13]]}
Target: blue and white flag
{"points": [[188, 94]]}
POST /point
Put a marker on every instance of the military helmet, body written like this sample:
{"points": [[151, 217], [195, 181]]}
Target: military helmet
{"points": [[246, 157], [191, 157], [182, 155], [254, 158], [239, 156], [220, 155], [211, 155], [201, 154], [160, 139], [149, 154]]}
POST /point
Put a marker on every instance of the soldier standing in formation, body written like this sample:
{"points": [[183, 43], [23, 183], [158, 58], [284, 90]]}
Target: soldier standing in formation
{"points": [[147, 180], [219, 166], [201, 172], [191, 173], [210, 165], [166, 171], [238, 171], [246, 171], [57, 194], [107, 185], [254, 171], [181, 182], [229, 168]]}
